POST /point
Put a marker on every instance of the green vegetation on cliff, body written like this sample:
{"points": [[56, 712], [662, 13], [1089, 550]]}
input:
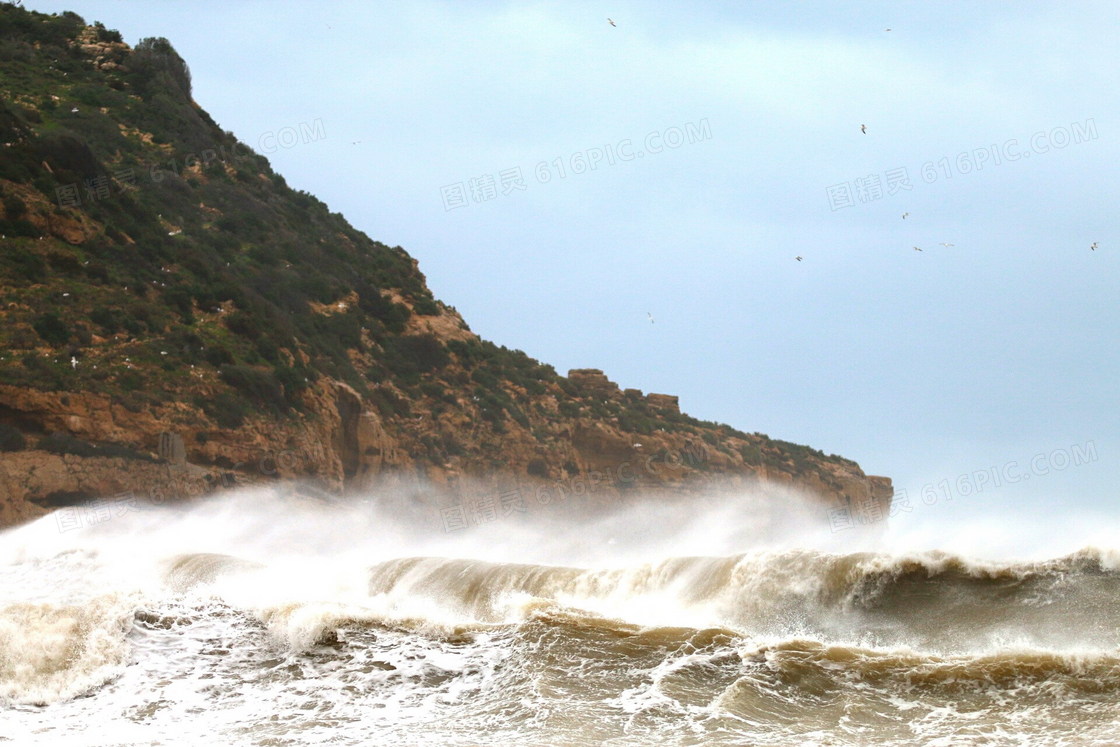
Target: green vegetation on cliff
{"points": [[141, 237], [150, 257]]}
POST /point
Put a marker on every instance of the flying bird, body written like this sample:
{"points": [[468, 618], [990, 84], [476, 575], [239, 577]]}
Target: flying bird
{"points": [[944, 244], [798, 257], [863, 129], [612, 23], [904, 215], [1093, 246], [917, 249], [650, 317]]}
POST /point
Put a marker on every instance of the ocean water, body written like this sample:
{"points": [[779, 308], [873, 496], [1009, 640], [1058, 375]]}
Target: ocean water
{"points": [[254, 618]]}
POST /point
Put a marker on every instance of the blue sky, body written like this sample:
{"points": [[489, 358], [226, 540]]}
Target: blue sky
{"points": [[993, 126]]}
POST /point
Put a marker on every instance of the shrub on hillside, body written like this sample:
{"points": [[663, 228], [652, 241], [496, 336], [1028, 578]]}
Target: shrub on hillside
{"points": [[24, 264], [425, 306], [105, 318], [157, 66], [227, 409], [106, 35], [11, 439], [51, 328], [255, 384], [294, 382], [414, 354]]}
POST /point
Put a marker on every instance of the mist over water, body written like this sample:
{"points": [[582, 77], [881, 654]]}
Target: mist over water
{"points": [[730, 618]]}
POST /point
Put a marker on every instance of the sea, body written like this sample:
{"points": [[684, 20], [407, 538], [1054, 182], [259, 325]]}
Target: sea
{"points": [[260, 617]]}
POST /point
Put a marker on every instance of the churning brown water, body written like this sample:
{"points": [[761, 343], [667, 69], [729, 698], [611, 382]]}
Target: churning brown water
{"points": [[259, 622]]}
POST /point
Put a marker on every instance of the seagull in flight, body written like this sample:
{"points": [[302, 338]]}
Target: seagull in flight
{"points": [[798, 257], [944, 244], [650, 317], [612, 23], [917, 249], [904, 215], [863, 129], [1093, 246]]}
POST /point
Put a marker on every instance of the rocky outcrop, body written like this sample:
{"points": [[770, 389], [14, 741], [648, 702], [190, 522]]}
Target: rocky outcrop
{"points": [[591, 382], [666, 402], [35, 482], [344, 444], [242, 333], [105, 55]]}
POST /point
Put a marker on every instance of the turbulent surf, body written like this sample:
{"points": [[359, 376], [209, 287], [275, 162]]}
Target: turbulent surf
{"points": [[255, 620]]}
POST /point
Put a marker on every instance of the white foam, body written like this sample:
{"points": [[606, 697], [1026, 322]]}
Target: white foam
{"points": [[51, 652]]}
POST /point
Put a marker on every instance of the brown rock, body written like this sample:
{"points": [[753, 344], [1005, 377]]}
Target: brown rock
{"points": [[668, 402], [591, 382]]}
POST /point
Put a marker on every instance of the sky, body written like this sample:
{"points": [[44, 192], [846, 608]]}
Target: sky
{"points": [[727, 140]]}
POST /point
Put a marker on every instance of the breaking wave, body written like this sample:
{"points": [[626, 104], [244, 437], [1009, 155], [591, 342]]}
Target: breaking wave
{"points": [[300, 627]]}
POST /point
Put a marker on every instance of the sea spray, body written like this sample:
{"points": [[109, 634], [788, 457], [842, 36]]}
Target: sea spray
{"points": [[737, 617]]}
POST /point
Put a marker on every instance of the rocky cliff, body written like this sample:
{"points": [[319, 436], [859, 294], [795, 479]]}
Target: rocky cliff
{"points": [[175, 320]]}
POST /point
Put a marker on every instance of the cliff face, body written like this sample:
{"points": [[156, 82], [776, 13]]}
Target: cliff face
{"points": [[342, 443], [175, 320]]}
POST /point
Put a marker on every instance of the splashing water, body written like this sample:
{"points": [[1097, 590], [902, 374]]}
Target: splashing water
{"points": [[255, 618]]}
